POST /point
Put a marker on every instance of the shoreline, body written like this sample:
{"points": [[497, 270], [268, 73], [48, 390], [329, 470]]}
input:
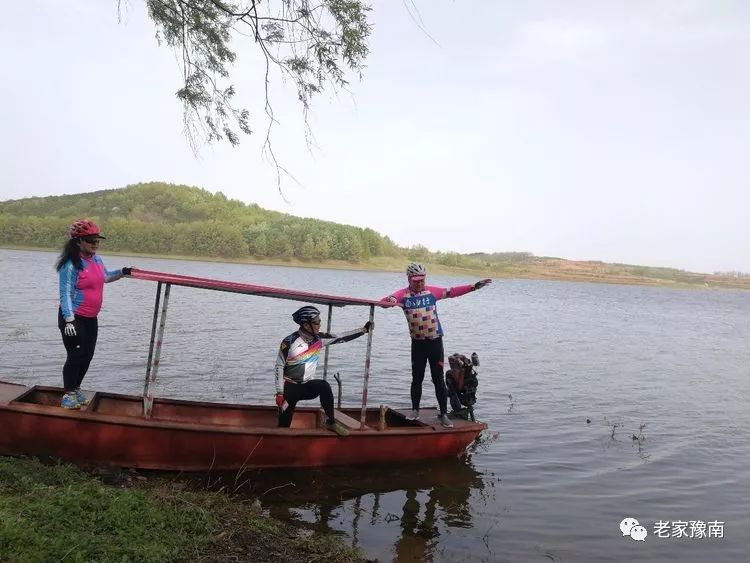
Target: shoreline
{"points": [[144, 516], [395, 265]]}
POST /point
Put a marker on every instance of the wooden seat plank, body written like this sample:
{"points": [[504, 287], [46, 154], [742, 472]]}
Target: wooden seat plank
{"points": [[346, 420]]}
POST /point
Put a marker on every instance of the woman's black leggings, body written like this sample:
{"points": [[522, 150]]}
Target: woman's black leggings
{"points": [[294, 392], [80, 349], [423, 351]]}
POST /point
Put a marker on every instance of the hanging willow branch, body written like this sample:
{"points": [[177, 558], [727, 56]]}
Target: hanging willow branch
{"points": [[314, 44]]}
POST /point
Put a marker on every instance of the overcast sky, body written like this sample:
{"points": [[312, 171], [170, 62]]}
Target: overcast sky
{"points": [[602, 130]]}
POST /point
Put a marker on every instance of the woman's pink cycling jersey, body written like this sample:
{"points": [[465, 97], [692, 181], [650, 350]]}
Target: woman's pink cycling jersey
{"points": [[82, 291]]}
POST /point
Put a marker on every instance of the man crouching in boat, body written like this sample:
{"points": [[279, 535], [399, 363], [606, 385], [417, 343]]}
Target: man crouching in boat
{"points": [[297, 363]]}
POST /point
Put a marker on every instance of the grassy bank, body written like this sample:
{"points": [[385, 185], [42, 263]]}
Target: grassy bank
{"points": [[57, 512]]}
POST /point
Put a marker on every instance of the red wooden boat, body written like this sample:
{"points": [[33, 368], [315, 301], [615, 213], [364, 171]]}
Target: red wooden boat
{"points": [[159, 433]]}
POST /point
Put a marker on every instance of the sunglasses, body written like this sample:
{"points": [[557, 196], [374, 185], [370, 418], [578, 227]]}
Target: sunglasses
{"points": [[315, 322], [90, 240]]}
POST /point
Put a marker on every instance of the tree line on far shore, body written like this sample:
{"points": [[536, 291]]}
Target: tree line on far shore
{"points": [[165, 219]]}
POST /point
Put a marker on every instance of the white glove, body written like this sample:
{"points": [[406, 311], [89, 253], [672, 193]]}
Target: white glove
{"points": [[70, 329]]}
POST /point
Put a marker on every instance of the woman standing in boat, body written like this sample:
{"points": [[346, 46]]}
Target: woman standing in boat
{"points": [[419, 302], [296, 365], [82, 278]]}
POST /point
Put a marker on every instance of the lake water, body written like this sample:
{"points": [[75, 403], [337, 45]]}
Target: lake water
{"points": [[668, 366]]}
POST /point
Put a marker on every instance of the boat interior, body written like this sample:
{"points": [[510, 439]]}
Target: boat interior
{"points": [[216, 414]]}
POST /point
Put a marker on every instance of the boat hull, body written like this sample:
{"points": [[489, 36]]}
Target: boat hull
{"points": [[199, 436]]}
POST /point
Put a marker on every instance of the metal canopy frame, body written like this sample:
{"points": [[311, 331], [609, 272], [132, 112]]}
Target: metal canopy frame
{"points": [[166, 281]]}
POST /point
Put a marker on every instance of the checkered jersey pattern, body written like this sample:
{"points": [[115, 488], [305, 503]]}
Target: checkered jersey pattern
{"points": [[421, 308], [421, 314]]}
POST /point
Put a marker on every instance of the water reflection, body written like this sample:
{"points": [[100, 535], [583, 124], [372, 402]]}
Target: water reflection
{"points": [[399, 511]]}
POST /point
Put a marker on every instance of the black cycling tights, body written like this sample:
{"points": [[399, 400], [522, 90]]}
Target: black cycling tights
{"points": [[80, 349], [423, 351], [294, 392]]}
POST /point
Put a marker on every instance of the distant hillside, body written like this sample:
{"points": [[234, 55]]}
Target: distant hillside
{"points": [[158, 218], [166, 219]]}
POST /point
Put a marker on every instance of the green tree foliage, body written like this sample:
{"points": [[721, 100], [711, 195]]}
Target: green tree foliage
{"points": [[419, 253], [312, 44], [156, 218], [164, 219]]}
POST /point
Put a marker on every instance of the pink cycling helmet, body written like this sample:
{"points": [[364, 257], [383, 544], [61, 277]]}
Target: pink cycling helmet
{"points": [[84, 228]]}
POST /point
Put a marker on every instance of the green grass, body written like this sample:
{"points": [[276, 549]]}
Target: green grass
{"points": [[56, 512], [59, 513]]}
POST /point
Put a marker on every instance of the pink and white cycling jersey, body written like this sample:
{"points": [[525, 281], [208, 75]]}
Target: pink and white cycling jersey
{"points": [[298, 358], [82, 291], [421, 308]]}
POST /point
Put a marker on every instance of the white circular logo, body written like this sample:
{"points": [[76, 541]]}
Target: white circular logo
{"points": [[627, 524], [638, 533], [631, 527]]}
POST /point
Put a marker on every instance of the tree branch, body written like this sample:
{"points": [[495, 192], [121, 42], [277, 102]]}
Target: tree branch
{"points": [[311, 45]]}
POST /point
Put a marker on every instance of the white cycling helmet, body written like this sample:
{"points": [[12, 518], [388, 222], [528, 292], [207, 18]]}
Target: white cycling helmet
{"points": [[416, 269]]}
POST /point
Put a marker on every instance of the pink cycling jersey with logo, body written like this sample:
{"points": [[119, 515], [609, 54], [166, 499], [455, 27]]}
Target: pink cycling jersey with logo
{"points": [[421, 308], [82, 291]]}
